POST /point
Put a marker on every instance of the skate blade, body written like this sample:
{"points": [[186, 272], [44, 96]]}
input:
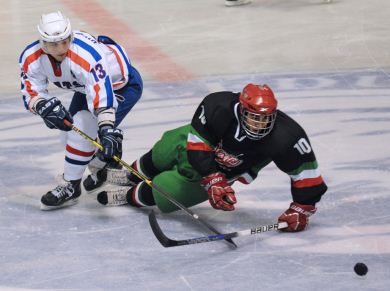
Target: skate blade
{"points": [[96, 190], [66, 204], [115, 203], [110, 200], [113, 197]]}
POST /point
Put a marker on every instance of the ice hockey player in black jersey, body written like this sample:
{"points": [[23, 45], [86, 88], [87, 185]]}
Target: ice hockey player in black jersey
{"points": [[232, 136]]}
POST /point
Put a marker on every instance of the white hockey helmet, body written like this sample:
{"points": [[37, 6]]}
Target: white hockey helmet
{"points": [[54, 27]]}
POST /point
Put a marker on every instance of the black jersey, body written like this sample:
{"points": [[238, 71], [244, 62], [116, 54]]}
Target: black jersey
{"points": [[226, 148]]}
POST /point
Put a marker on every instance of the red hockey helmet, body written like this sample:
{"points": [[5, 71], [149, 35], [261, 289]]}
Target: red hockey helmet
{"points": [[258, 110]]}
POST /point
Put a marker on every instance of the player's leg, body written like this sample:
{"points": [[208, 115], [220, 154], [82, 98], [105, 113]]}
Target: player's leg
{"points": [[168, 152], [186, 191], [179, 179], [179, 187], [167, 155], [127, 97], [131, 188], [122, 183], [78, 153]]}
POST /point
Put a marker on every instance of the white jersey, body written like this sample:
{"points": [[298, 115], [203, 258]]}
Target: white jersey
{"points": [[90, 67]]}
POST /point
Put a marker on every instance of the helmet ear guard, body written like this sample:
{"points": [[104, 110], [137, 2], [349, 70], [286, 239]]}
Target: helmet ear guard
{"points": [[258, 110], [54, 27]]}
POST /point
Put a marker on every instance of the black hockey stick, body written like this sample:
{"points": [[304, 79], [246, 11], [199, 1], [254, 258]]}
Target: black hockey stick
{"points": [[168, 242], [150, 183]]}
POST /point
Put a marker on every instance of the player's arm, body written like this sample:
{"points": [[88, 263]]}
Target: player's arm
{"points": [[36, 99], [207, 125], [307, 185], [102, 103]]}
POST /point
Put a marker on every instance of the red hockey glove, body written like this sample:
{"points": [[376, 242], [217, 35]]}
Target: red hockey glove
{"points": [[221, 195], [297, 216]]}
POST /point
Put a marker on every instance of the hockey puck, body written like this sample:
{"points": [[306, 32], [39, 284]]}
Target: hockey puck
{"points": [[360, 269]]}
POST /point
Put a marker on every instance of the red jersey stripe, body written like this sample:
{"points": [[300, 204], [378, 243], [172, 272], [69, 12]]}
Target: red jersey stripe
{"points": [[77, 152], [96, 99], [79, 60], [29, 89], [32, 58], [118, 59], [198, 146]]}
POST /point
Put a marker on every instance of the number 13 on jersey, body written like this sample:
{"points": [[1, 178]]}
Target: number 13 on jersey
{"points": [[98, 72]]}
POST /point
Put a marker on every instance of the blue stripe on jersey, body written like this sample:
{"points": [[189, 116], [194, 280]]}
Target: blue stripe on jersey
{"points": [[107, 85], [28, 47], [25, 102], [128, 65], [88, 48], [75, 162]]}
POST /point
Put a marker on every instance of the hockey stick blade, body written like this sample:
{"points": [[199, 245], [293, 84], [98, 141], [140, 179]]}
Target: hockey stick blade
{"points": [[162, 238], [168, 242]]}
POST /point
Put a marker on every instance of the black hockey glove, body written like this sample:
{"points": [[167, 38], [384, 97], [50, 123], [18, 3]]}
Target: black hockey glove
{"points": [[53, 113], [111, 140]]}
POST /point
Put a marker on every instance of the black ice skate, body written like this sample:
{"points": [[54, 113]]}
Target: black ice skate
{"points": [[119, 177], [94, 181], [65, 194], [97, 177]]}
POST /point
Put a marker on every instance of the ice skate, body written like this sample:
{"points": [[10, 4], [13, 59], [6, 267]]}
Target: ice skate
{"points": [[97, 178], [114, 197], [118, 177], [65, 194]]}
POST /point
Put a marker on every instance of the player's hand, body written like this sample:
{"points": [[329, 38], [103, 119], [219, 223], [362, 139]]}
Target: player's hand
{"points": [[297, 216], [221, 195], [111, 140], [53, 113]]}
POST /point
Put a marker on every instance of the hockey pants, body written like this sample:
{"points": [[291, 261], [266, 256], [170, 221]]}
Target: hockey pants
{"points": [[176, 177]]}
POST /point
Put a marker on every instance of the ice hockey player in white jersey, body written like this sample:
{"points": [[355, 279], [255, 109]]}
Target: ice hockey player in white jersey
{"points": [[106, 87]]}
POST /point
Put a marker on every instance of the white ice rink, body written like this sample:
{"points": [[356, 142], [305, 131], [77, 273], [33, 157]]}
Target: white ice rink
{"points": [[329, 66]]}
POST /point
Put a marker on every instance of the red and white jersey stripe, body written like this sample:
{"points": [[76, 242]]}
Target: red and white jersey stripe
{"points": [[195, 143], [307, 178]]}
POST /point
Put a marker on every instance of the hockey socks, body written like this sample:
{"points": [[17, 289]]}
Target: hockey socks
{"points": [[140, 195], [131, 189]]}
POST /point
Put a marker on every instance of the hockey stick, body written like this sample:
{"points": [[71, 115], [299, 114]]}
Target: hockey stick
{"points": [[150, 183], [167, 242]]}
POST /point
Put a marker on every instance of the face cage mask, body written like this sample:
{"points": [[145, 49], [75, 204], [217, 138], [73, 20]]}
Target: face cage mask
{"points": [[257, 126]]}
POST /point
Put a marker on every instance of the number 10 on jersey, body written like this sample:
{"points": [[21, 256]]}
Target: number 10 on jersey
{"points": [[303, 146]]}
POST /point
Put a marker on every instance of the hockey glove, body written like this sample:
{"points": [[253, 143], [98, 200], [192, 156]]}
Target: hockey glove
{"points": [[221, 195], [297, 216], [53, 113], [111, 140]]}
